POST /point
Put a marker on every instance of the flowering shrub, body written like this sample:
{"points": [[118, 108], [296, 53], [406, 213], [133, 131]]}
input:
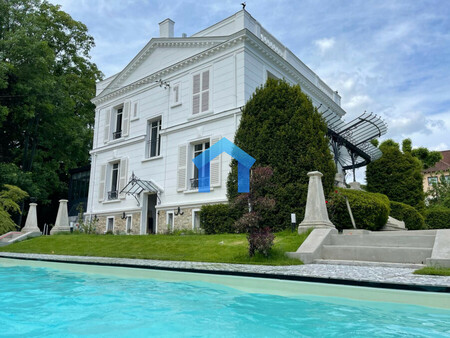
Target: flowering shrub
{"points": [[259, 235], [260, 240]]}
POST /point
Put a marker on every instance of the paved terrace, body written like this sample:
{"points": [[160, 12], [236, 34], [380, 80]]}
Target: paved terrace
{"points": [[373, 275]]}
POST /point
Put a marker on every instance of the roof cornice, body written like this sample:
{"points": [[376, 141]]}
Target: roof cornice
{"points": [[115, 85], [217, 44]]}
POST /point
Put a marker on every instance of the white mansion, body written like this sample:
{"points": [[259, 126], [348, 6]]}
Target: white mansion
{"points": [[176, 98]]}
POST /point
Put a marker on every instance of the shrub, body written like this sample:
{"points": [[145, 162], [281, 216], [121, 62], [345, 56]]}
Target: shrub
{"points": [[398, 175], [412, 218], [217, 218], [281, 129], [438, 218], [260, 240], [369, 210]]}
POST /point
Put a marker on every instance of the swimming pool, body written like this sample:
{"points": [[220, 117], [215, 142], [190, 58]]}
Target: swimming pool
{"points": [[54, 299]]}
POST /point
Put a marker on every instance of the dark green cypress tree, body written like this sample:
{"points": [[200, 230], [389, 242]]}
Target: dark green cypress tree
{"points": [[281, 129]]}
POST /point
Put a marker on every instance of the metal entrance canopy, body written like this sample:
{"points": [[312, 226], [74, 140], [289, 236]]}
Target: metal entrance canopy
{"points": [[136, 186], [354, 137]]}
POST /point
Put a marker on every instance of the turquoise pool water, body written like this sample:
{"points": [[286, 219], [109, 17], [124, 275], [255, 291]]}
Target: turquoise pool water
{"points": [[44, 301]]}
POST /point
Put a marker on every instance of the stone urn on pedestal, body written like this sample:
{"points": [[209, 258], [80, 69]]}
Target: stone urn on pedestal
{"points": [[62, 219], [316, 214]]}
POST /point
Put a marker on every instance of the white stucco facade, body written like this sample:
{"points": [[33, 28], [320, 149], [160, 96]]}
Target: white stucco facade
{"points": [[176, 97]]}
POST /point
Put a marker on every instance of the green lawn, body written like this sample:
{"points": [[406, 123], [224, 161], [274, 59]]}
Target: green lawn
{"points": [[433, 271], [225, 248]]}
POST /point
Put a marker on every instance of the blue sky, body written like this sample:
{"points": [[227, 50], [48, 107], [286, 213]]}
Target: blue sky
{"points": [[387, 57]]}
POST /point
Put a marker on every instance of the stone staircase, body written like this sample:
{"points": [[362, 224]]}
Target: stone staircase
{"points": [[362, 247], [412, 247]]}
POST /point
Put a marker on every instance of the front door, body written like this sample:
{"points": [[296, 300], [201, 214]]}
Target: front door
{"points": [[151, 214]]}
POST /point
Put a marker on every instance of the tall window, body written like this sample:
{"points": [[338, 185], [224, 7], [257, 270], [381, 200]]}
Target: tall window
{"points": [[128, 224], [196, 219], [197, 150], [118, 129], [200, 98], [153, 138], [113, 193]]}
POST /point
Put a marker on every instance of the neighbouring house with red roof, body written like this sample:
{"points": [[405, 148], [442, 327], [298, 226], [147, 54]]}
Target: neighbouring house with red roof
{"points": [[433, 174]]}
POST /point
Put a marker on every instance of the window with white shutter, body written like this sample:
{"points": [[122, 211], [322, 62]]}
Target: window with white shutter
{"points": [[182, 167], [215, 166], [123, 175], [102, 182], [201, 92], [126, 119], [107, 129]]}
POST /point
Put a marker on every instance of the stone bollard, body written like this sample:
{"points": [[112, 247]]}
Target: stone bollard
{"points": [[62, 219], [316, 214], [31, 224]]}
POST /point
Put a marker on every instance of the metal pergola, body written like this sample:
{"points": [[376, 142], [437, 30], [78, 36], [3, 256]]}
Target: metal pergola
{"points": [[351, 141]]}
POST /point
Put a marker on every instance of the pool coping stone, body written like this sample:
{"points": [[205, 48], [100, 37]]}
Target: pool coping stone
{"points": [[356, 275]]}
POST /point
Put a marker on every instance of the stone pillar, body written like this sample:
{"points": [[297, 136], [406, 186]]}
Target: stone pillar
{"points": [[31, 224], [316, 214], [62, 219]]}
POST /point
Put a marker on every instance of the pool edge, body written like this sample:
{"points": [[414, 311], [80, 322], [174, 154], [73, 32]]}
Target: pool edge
{"points": [[299, 278]]}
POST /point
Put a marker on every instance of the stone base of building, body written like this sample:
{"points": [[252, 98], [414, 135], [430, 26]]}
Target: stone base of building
{"points": [[182, 221]]}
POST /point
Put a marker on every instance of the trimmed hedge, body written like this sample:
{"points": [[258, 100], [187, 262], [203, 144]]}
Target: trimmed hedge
{"points": [[217, 218], [370, 210], [438, 218], [404, 212]]}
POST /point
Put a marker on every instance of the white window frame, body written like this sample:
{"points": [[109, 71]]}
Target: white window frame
{"points": [[114, 122], [202, 92], [194, 212], [192, 156], [113, 223], [128, 217], [175, 93], [432, 179], [110, 181], [167, 221], [149, 140]]}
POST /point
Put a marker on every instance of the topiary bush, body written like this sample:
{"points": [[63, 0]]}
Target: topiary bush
{"points": [[370, 210], [217, 218], [438, 218], [412, 218], [282, 129]]}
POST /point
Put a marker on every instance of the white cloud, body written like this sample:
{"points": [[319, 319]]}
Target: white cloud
{"points": [[325, 44]]}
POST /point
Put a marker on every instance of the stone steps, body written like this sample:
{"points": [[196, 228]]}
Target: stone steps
{"points": [[368, 263], [384, 240], [376, 253]]}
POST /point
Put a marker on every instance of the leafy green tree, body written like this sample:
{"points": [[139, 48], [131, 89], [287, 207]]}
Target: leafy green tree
{"points": [[46, 83], [427, 157], [398, 175], [281, 129], [9, 197]]}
